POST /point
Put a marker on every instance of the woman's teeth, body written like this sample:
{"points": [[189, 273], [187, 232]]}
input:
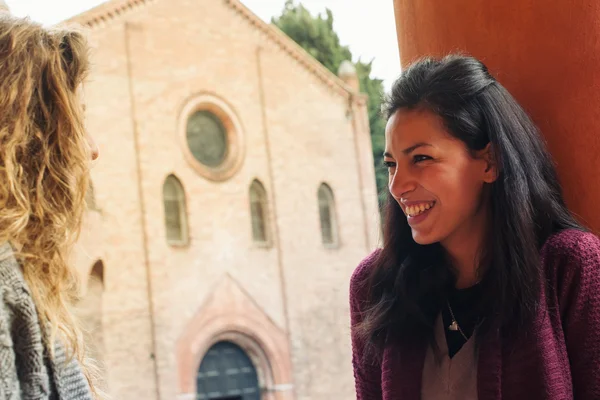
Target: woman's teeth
{"points": [[414, 210]]}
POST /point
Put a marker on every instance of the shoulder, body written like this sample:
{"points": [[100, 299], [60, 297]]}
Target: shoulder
{"points": [[13, 287], [17, 307], [16, 311], [359, 278], [16, 303], [571, 259], [572, 246]]}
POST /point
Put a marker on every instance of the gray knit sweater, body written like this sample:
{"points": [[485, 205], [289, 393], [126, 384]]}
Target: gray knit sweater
{"points": [[26, 370]]}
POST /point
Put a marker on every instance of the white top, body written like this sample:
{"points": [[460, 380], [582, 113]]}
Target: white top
{"points": [[449, 378]]}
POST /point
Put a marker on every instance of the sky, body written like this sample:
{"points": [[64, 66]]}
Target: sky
{"points": [[367, 27]]}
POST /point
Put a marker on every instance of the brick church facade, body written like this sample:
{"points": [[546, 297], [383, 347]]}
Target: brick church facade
{"points": [[233, 198]]}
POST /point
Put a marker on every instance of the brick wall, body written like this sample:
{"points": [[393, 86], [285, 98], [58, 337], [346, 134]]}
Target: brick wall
{"points": [[297, 132]]}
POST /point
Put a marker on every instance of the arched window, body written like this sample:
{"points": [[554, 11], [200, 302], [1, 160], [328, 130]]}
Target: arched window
{"points": [[175, 211], [327, 215], [259, 212]]}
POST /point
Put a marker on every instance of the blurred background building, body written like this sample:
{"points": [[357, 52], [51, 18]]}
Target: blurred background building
{"points": [[234, 196]]}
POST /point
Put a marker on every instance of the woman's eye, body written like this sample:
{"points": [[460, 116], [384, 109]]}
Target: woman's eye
{"points": [[389, 164], [420, 157]]}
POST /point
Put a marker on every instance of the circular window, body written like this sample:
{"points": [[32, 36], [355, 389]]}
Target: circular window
{"points": [[211, 137], [207, 138]]}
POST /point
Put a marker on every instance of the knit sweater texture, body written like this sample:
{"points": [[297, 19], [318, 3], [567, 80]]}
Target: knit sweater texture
{"points": [[26, 370], [557, 359]]}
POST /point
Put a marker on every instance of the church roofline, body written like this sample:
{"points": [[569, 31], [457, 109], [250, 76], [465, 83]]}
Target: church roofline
{"points": [[106, 11], [113, 9], [293, 49]]}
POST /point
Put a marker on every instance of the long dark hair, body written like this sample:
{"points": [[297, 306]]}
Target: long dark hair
{"points": [[409, 282]]}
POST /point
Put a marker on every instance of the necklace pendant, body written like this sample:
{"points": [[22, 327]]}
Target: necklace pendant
{"points": [[453, 326]]}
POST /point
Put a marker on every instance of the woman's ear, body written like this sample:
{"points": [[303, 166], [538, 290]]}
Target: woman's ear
{"points": [[490, 174]]}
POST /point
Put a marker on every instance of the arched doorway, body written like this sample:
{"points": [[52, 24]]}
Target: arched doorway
{"points": [[227, 373]]}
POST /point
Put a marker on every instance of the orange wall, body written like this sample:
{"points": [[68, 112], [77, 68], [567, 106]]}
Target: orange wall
{"points": [[546, 52]]}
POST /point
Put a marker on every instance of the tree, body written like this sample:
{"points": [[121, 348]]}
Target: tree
{"points": [[373, 87], [316, 35]]}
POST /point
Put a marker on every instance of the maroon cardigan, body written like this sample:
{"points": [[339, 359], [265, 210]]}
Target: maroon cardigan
{"points": [[559, 358]]}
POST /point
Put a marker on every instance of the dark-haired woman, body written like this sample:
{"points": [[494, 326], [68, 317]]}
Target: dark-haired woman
{"points": [[486, 287]]}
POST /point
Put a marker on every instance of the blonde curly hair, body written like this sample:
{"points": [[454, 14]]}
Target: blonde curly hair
{"points": [[44, 165]]}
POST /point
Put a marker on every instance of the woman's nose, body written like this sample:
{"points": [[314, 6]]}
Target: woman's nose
{"points": [[401, 182], [94, 151]]}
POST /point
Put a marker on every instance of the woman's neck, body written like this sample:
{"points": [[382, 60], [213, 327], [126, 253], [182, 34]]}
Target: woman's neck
{"points": [[464, 258], [464, 249]]}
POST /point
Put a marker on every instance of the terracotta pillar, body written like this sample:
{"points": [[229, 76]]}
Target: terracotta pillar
{"points": [[547, 54]]}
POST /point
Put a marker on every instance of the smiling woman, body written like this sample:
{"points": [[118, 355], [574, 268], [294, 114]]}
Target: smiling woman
{"points": [[482, 263], [430, 170]]}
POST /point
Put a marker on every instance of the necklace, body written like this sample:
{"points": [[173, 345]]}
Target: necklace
{"points": [[454, 325]]}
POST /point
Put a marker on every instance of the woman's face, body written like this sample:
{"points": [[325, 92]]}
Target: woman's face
{"points": [[435, 179]]}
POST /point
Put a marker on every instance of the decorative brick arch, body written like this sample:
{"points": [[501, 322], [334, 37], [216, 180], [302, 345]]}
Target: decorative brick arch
{"points": [[230, 314]]}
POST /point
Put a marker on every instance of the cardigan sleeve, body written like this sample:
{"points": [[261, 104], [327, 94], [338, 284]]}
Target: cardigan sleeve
{"points": [[9, 381], [367, 373], [579, 302], [23, 371]]}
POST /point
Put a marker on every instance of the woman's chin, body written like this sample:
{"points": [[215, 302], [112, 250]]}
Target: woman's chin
{"points": [[423, 238]]}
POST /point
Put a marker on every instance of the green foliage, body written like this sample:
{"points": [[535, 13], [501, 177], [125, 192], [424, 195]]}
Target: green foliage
{"points": [[316, 35], [373, 87]]}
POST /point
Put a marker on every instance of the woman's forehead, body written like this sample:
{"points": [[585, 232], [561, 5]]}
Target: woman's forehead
{"points": [[406, 126]]}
